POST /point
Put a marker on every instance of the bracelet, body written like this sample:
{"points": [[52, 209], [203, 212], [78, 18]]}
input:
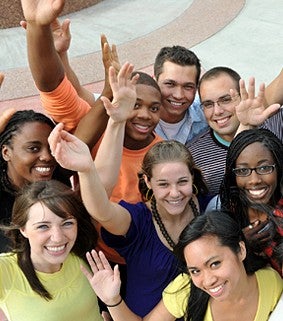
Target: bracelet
{"points": [[114, 305]]}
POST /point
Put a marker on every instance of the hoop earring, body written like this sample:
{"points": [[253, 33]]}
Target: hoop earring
{"points": [[195, 190], [149, 194]]}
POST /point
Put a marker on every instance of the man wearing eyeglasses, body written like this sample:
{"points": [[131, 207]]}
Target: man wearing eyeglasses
{"points": [[209, 149]]}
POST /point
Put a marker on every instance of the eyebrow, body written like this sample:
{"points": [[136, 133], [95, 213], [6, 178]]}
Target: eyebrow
{"points": [[217, 98], [259, 162], [206, 262], [176, 82]]}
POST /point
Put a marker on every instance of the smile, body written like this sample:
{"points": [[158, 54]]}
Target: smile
{"points": [[222, 121], [43, 169], [56, 248], [216, 289]]}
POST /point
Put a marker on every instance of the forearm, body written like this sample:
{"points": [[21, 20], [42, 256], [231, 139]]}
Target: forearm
{"points": [[122, 313], [108, 160], [274, 91], [82, 92], [45, 64], [92, 125], [113, 217]]}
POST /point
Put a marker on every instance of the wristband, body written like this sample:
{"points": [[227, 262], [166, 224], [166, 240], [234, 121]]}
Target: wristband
{"points": [[114, 305]]}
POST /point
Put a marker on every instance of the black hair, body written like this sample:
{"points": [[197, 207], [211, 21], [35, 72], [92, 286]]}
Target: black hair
{"points": [[233, 198], [221, 225], [13, 127]]}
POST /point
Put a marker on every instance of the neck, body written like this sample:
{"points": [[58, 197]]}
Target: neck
{"points": [[169, 118], [135, 144]]}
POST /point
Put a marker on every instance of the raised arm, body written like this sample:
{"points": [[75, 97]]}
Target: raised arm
{"points": [[274, 91], [45, 63], [108, 160], [252, 111], [62, 40], [93, 124], [73, 154], [106, 284]]}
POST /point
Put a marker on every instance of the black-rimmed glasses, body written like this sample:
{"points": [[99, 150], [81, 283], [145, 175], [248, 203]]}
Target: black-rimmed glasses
{"points": [[261, 170]]}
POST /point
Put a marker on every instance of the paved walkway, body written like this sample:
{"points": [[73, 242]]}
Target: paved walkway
{"points": [[245, 35]]}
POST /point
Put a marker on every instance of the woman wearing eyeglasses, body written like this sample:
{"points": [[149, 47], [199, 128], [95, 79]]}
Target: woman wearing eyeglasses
{"points": [[251, 190]]}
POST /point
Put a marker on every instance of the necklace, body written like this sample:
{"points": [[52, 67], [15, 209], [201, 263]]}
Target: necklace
{"points": [[161, 225]]}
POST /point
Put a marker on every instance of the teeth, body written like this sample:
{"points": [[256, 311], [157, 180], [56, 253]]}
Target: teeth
{"points": [[214, 290], [55, 248], [174, 202], [174, 103], [222, 121], [141, 127], [43, 169], [257, 192]]}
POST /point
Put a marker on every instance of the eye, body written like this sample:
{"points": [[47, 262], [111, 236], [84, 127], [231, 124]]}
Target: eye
{"points": [[241, 171], [215, 264], [69, 223], [154, 109], [208, 104], [265, 169], [225, 100], [183, 182], [163, 184], [137, 106], [33, 149], [42, 227], [194, 271], [189, 87], [169, 84]]}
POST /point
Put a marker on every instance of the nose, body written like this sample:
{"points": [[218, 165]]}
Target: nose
{"points": [[209, 279], [174, 191], [217, 109], [56, 235], [144, 113], [45, 155], [178, 92], [254, 177]]}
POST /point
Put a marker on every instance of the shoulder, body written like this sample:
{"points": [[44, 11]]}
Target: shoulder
{"points": [[175, 296], [269, 280]]}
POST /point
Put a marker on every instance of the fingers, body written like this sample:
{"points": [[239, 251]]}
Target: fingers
{"points": [[243, 91], [23, 24], [1, 78], [66, 27], [55, 137], [251, 88], [98, 261], [5, 117], [104, 261]]}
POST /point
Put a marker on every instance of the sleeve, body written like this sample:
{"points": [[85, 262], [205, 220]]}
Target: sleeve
{"points": [[127, 245], [63, 104], [176, 294]]}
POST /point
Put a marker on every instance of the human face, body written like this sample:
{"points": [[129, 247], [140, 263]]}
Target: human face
{"points": [[172, 187], [258, 188], [214, 268], [28, 158], [222, 120], [144, 117], [178, 88], [51, 238]]}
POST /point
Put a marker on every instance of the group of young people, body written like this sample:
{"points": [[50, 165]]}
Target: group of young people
{"points": [[139, 190]]}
